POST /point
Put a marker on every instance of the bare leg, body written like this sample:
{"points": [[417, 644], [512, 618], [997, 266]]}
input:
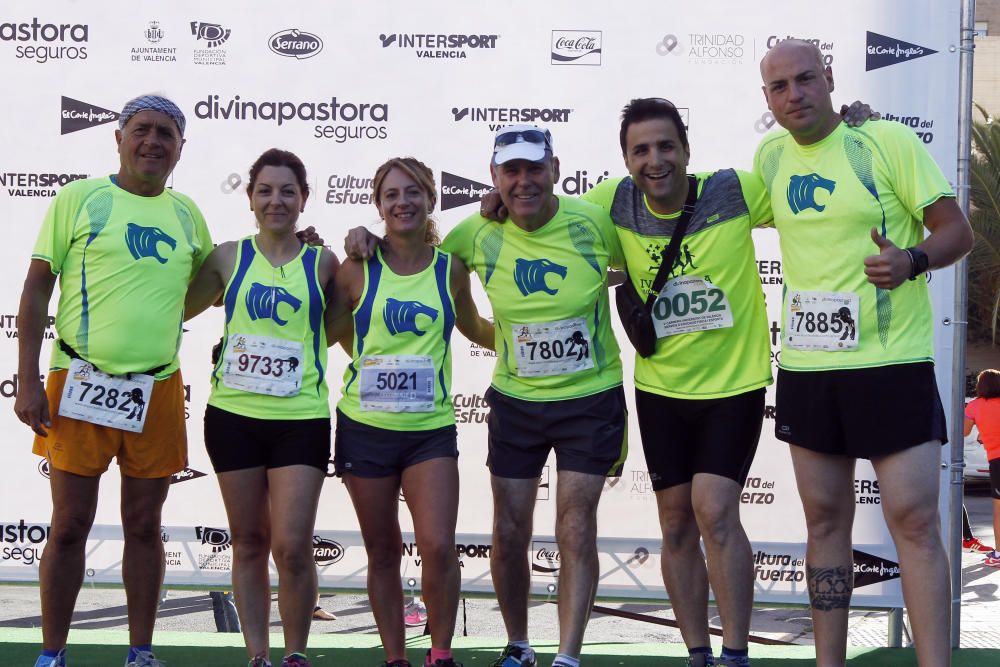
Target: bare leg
{"points": [[826, 487], [294, 491], [683, 564], [908, 482], [716, 502], [996, 522], [431, 490], [376, 501], [143, 562], [244, 493], [577, 495], [513, 510], [60, 572]]}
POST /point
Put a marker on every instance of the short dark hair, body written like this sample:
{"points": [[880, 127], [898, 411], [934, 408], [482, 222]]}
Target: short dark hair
{"points": [[988, 383], [648, 108], [275, 157]]}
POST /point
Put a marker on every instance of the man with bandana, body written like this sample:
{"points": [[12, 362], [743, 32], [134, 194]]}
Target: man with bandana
{"points": [[123, 248]]}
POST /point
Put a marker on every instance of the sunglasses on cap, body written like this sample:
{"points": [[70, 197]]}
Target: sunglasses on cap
{"points": [[526, 136]]}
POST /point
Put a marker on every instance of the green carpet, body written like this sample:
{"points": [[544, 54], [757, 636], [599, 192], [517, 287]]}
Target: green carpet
{"points": [[107, 648]]}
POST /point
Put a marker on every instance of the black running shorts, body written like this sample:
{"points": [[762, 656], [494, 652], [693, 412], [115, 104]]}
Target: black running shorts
{"points": [[235, 442], [367, 451], [683, 437], [588, 434], [863, 412]]}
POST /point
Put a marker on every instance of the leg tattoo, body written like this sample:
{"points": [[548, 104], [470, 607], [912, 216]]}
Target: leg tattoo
{"points": [[830, 587]]}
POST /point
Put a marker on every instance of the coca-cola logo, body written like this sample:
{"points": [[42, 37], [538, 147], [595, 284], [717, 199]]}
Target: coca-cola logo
{"points": [[545, 558], [576, 47]]}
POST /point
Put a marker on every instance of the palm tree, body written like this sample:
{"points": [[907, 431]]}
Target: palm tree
{"points": [[984, 260]]}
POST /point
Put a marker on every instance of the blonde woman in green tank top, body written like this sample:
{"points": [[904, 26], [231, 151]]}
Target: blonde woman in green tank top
{"points": [[394, 315], [267, 424]]}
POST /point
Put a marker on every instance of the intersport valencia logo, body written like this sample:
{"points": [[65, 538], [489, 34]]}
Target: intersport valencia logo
{"points": [[884, 51], [431, 45], [497, 117], [77, 115], [295, 43]]}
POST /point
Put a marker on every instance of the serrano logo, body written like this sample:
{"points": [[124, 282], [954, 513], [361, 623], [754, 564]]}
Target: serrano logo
{"points": [[144, 241], [77, 115], [802, 192], [545, 558], [43, 468], [326, 552], [884, 51], [295, 43], [458, 191], [576, 47], [262, 302], [437, 45], [529, 275], [401, 316]]}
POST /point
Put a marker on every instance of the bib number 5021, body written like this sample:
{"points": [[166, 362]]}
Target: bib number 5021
{"points": [[396, 380]]}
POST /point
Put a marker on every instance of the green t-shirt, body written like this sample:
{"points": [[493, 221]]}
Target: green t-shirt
{"points": [[549, 293], [396, 316], [283, 303], [826, 197], [124, 263], [717, 248]]}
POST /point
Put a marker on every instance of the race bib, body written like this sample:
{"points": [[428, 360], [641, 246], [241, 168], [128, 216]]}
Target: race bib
{"points": [[118, 401], [688, 304], [822, 321], [397, 383], [263, 365], [552, 348]]}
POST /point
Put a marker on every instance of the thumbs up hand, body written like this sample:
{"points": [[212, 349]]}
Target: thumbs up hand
{"points": [[890, 267]]}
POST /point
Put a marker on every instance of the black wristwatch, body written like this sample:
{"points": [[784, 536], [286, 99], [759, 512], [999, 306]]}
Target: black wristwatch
{"points": [[918, 261]]}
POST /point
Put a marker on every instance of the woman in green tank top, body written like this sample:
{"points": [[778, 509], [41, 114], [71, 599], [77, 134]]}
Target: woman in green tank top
{"points": [[394, 315], [267, 424]]}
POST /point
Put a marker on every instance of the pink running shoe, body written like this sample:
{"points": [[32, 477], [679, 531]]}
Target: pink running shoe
{"points": [[416, 613], [993, 560]]}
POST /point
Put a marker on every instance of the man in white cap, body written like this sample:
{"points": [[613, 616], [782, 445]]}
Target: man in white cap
{"points": [[123, 248], [557, 382]]}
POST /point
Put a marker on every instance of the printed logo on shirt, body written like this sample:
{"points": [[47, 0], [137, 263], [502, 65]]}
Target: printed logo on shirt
{"points": [[802, 192], [401, 316], [144, 241], [262, 302], [530, 275]]}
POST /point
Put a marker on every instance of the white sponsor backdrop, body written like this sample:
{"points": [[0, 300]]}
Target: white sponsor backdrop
{"points": [[432, 79]]}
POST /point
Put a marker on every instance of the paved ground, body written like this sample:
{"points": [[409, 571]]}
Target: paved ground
{"points": [[103, 608]]}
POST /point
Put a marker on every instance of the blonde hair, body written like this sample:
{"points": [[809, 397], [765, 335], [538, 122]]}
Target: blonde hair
{"points": [[423, 176]]}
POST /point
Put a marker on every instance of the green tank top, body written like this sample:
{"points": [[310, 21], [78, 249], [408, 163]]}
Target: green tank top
{"points": [[273, 359], [400, 375]]}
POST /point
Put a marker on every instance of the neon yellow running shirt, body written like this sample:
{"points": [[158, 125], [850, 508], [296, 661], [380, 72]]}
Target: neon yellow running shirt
{"points": [[549, 293], [400, 375], [826, 197], [280, 303], [124, 263], [717, 248]]}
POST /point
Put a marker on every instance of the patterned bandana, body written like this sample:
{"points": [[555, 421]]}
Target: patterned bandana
{"points": [[154, 103]]}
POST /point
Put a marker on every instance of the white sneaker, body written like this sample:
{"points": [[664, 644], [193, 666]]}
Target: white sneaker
{"points": [[145, 659]]}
